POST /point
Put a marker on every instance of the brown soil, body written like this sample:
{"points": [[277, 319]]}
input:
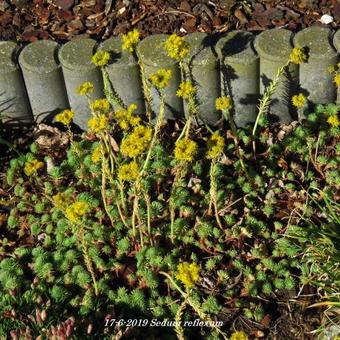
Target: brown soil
{"points": [[61, 20]]}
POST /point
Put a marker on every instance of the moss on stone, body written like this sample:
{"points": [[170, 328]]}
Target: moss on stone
{"points": [[274, 44], [118, 56], [317, 40], [237, 47], [152, 53], [201, 49], [40, 56], [8, 52], [77, 54]]}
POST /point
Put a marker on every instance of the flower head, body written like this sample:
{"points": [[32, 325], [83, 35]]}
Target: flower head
{"points": [[85, 88], [76, 211], [137, 142], [61, 200], [185, 89], [101, 58], [331, 69], [188, 273], [161, 78], [215, 145], [185, 150], [223, 103], [128, 172], [127, 118], [96, 154], [298, 56], [100, 105], [31, 167], [336, 79], [98, 123], [333, 121], [65, 117], [130, 40], [176, 47], [299, 100], [239, 336]]}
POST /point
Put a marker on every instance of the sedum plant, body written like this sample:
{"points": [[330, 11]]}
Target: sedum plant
{"points": [[166, 221]]}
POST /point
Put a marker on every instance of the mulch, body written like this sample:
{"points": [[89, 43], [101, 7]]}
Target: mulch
{"points": [[62, 20]]}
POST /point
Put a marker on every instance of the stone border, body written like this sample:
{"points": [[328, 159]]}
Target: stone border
{"points": [[41, 79]]}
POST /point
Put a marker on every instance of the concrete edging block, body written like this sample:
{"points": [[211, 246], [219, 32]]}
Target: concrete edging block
{"points": [[314, 76], [274, 47], [204, 72], [43, 78], [336, 44], [240, 74], [124, 73], [152, 54], [75, 57], [14, 102]]}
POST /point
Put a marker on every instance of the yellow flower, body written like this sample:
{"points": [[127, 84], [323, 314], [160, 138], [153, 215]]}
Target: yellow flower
{"points": [[188, 274], [215, 145], [31, 167], [85, 88], [176, 47], [336, 79], [223, 103], [130, 40], [185, 89], [61, 200], [298, 56], [161, 78], [137, 142], [299, 100], [185, 150], [331, 69], [100, 105], [239, 336], [126, 118], [96, 154], [333, 121], [128, 172], [98, 123], [101, 58], [65, 117], [76, 211]]}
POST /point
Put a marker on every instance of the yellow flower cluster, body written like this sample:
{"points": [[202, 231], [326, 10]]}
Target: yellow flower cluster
{"points": [[98, 123], [101, 58], [85, 88], [333, 121], [76, 211], [186, 89], [128, 172], [61, 200], [161, 78], [176, 47], [299, 100], [223, 103], [65, 117], [100, 105], [137, 142], [96, 154], [185, 150], [126, 118], [298, 56], [188, 273], [336, 79], [239, 336], [31, 167], [130, 40], [215, 145]]}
